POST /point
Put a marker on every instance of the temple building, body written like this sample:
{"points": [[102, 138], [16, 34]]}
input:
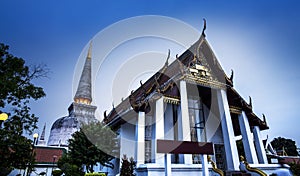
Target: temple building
{"points": [[190, 99], [80, 111]]}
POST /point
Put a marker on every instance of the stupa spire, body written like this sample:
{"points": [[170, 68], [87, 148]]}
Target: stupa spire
{"points": [[42, 137], [43, 133], [84, 91]]}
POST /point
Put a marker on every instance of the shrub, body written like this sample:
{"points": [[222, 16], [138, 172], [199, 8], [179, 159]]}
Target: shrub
{"points": [[295, 168], [128, 166], [57, 173]]}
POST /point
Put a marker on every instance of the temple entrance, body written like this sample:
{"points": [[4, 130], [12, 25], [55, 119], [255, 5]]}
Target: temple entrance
{"points": [[184, 147]]}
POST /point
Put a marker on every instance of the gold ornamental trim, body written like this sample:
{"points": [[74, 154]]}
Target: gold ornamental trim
{"points": [[171, 100], [252, 169], [204, 82], [235, 110], [214, 167]]}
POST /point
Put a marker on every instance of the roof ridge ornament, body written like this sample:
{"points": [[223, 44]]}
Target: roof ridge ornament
{"points": [[163, 69], [204, 27], [105, 116], [264, 119], [231, 76], [167, 61]]}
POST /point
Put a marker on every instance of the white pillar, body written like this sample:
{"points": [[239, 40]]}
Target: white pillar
{"points": [[185, 120], [228, 133], [140, 139], [204, 165], [127, 138], [261, 152], [247, 139], [159, 129], [168, 169]]}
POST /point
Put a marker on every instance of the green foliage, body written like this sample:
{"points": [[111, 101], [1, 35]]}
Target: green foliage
{"points": [[95, 174], [16, 91], [295, 168], [65, 163], [288, 145], [128, 166], [57, 172], [94, 143]]}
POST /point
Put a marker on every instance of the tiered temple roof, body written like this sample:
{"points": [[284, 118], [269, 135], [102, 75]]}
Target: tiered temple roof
{"points": [[198, 65]]}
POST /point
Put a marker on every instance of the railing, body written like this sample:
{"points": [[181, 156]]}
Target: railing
{"points": [[214, 167], [252, 169]]}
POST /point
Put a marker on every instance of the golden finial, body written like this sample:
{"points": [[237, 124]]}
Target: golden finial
{"points": [[89, 55]]}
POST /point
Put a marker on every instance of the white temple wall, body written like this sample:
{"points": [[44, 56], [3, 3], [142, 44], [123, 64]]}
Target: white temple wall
{"points": [[213, 127], [127, 139], [169, 124], [180, 137], [115, 170]]}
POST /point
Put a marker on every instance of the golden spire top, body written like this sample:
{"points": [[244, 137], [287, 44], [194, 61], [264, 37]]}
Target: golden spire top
{"points": [[89, 55]]}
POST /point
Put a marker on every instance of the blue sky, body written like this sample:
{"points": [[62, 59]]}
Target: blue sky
{"points": [[260, 41]]}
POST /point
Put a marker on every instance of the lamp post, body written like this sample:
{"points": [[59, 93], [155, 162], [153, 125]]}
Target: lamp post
{"points": [[3, 117], [35, 137], [54, 157]]}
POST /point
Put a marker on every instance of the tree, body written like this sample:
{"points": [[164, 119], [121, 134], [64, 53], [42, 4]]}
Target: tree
{"points": [[295, 168], [66, 165], [92, 144], [288, 145], [16, 92], [128, 166], [57, 173]]}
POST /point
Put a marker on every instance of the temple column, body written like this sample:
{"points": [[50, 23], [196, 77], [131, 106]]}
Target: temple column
{"points": [[247, 139], [204, 165], [140, 139], [227, 130], [260, 149], [159, 128], [185, 120], [168, 169]]}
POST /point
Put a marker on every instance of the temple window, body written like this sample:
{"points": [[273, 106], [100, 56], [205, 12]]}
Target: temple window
{"points": [[197, 122]]}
